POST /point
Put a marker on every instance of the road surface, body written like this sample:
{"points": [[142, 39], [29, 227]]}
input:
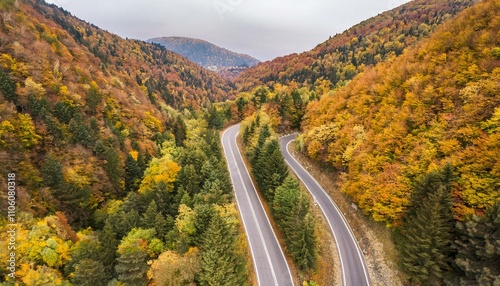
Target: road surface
{"points": [[354, 271], [269, 262]]}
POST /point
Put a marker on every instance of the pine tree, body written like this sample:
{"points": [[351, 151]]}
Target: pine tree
{"points": [[215, 119], [161, 225], [189, 179], [113, 167], [154, 219], [425, 244], [204, 214], [263, 135], [179, 131], [7, 85], [131, 265], [89, 273], [303, 244], [291, 210], [133, 174], [246, 135], [149, 217], [478, 249], [86, 248], [219, 262], [425, 238], [52, 172], [270, 169], [109, 244]]}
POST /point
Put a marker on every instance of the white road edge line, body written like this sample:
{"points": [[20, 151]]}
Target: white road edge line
{"points": [[341, 215], [253, 213], [266, 250], [241, 214], [274, 234], [324, 214]]}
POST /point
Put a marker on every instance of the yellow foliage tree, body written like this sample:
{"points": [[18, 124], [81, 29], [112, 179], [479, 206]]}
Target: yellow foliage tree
{"points": [[171, 269], [162, 172], [26, 131]]}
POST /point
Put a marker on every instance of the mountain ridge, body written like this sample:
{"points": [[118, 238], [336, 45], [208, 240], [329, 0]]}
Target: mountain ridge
{"points": [[344, 55], [206, 54]]}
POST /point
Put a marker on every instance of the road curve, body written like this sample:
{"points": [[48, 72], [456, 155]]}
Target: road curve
{"points": [[269, 261], [354, 271]]}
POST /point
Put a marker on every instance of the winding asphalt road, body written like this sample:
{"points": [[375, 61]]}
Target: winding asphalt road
{"points": [[269, 261], [354, 271]]}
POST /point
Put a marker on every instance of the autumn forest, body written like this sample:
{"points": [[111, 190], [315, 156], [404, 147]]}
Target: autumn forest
{"points": [[120, 178]]}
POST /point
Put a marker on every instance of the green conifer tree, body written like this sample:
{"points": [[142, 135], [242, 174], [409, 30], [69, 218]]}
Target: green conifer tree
{"points": [[109, 244], [131, 265], [303, 244], [219, 262], [425, 239], [263, 135], [478, 249], [149, 217], [270, 169], [133, 174], [89, 272], [291, 210]]}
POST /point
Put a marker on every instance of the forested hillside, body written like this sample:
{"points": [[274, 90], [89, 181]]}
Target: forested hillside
{"points": [[113, 147], [437, 103], [343, 56], [414, 142], [87, 98], [118, 175]]}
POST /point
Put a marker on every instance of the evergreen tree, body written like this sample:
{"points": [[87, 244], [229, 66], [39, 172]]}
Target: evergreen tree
{"points": [[123, 221], [74, 201], [89, 273], [216, 180], [270, 169], [149, 217], [215, 119], [85, 248], [263, 135], [246, 135], [133, 174], [80, 132], [219, 262], [425, 238], [478, 249], [180, 131], [52, 172], [113, 166], [291, 210], [214, 147], [303, 244], [204, 214], [7, 85], [109, 244], [189, 179], [161, 225], [131, 265], [298, 110]]}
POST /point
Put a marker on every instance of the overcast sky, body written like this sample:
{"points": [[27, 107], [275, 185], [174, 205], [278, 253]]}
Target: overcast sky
{"points": [[264, 29]]}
